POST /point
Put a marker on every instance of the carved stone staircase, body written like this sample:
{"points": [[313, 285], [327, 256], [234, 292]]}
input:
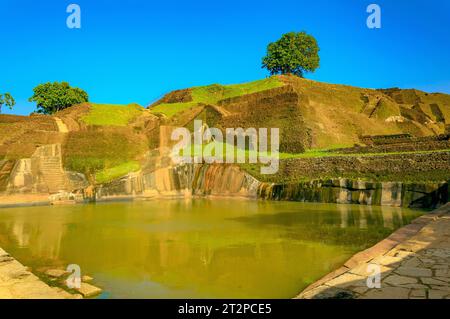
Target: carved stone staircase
{"points": [[49, 163]]}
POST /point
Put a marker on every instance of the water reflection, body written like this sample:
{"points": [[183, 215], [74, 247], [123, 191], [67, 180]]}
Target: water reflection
{"points": [[363, 219], [197, 248]]}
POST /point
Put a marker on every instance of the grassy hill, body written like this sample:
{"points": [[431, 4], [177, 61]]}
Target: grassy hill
{"points": [[107, 141], [310, 114]]}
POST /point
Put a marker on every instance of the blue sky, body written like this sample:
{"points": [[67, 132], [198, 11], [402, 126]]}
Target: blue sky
{"points": [[137, 50]]}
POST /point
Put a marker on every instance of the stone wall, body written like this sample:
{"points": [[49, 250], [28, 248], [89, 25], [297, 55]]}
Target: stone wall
{"points": [[393, 167], [257, 110], [229, 180], [430, 145], [160, 178], [183, 180], [346, 191]]}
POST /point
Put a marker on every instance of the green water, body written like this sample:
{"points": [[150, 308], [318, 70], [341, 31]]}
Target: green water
{"points": [[197, 248]]}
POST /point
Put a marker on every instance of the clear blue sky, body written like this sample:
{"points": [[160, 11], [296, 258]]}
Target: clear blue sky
{"points": [[137, 50]]}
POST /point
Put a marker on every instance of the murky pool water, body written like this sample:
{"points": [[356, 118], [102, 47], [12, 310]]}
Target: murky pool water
{"points": [[202, 248]]}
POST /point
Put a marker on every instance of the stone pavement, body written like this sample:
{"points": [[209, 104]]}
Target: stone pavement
{"points": [[414, 262], [62, 127], [16, 282]]}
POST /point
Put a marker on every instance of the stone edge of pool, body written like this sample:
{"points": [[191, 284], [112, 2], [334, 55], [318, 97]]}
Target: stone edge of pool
{"points": [[406, 259], [17, 282]]}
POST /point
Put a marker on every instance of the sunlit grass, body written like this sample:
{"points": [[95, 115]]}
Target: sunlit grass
{"points": [[216, 92], [112, 114], [170, 109], [109, 174], [230, 151], [211, 94]]}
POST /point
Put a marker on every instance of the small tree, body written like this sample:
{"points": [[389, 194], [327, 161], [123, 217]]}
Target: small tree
{"points": [[294, 53], [53, 97], [6, 99]]}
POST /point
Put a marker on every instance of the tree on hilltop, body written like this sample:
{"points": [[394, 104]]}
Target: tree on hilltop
{"points": [[6, 99], [294, 53], [54, 97]]}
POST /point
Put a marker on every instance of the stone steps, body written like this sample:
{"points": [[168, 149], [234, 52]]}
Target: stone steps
{"points": [[50, 166]]}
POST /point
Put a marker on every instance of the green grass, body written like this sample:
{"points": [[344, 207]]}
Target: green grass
{"points": [[103, 149], [170, 109], [281, 177], [198, 151], [325, 153], [311, 153], [112, 114], [211, 94], [109, 174]]}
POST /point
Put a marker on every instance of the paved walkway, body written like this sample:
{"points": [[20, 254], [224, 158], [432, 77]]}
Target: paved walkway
{"points": [[16, 282], [414, 263], [62, 128]]}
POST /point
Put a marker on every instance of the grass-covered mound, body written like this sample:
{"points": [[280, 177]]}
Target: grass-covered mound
{"points": [[106, 145], [211, 94], [337, 115], [112, 114], [309, 114], [105, 153]]}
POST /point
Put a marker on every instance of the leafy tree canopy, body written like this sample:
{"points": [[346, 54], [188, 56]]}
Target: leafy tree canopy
{"points": [[6, 99], [294, 53], [53, 97]]}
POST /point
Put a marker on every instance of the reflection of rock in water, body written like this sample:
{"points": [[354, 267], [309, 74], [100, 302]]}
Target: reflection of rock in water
{"points": [[362, 217], [391, 194], [386, 212], [22, 237], [343, 209], [392, 217], [48, 239], [399, 214]]}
